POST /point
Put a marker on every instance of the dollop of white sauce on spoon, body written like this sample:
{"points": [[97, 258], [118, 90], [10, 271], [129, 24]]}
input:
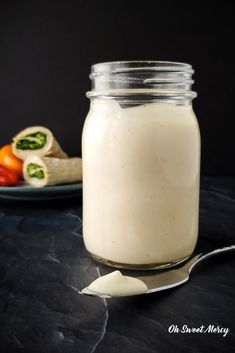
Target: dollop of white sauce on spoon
{"points": [[116, 285]]}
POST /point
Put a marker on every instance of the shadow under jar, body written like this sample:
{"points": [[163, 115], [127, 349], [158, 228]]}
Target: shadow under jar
{"points": [[141, 165]]}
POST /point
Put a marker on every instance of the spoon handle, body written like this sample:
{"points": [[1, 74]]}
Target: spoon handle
{"points": [[198, 258]]}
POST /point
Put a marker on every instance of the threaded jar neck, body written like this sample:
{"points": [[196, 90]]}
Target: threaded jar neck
{"points": [[143, 80]]}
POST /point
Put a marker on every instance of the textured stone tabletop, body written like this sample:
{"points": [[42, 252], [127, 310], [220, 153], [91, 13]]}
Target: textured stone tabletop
{"points": [[43, 262]]}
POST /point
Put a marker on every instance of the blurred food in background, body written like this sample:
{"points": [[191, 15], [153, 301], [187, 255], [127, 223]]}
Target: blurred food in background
{"points": [[37, 157]]}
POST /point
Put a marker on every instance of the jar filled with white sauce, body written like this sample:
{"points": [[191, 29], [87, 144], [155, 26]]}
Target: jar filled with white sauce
{"points": [[141, 165]]}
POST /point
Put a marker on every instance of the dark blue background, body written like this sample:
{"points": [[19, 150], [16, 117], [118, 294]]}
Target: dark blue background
{"points": [[47, 48]]}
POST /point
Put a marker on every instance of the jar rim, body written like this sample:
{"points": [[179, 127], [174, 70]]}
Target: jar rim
{"points": [[148, 64], [113, 78]]}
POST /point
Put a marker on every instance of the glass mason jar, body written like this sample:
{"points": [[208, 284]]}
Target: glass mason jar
{"points": [[141, 165]]}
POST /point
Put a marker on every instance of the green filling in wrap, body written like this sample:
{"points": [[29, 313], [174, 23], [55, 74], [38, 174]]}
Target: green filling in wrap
{"points": [[33, 141], [35, 170]]}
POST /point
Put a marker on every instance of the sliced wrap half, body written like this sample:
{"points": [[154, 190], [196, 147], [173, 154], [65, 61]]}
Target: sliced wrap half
{"points": [[37, 141], [43, 171]]}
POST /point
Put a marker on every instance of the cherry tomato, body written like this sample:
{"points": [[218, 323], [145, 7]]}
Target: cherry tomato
{"points": [[8, 177], [9, 160]]}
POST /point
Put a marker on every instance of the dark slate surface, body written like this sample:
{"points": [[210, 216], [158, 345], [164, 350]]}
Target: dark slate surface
{"points": [[43, 261]]}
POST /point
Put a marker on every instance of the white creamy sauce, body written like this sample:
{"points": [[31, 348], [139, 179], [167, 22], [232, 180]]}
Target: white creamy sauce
{"points": [[141, 182], [117, 285]]}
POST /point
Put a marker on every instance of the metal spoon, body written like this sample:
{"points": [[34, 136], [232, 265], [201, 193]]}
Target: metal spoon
{"points": [[168, 278]]}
